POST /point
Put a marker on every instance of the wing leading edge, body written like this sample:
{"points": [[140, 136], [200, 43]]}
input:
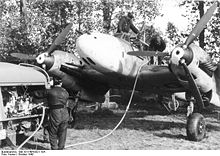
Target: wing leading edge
{"points": [[159, 79]]}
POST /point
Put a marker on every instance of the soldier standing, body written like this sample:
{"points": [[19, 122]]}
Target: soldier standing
{"points": [[58, 116]]}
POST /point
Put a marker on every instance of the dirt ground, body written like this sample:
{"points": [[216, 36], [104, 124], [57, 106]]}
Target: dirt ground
{"points": [[144, 128]]}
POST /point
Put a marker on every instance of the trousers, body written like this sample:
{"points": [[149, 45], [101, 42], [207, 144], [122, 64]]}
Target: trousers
{"points": [[58, 123]]}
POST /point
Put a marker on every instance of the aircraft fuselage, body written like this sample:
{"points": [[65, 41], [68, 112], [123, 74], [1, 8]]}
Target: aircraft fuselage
{"points": [[108, 55]]}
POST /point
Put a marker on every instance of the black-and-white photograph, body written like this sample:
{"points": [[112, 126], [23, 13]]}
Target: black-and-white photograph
{"points": [[109, 75]]}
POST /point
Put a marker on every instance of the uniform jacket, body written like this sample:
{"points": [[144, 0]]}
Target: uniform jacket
{"points": [[57, 96], [125, 24]]}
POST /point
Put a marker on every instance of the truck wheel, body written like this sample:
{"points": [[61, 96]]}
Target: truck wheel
{"points": [[195, 127]]}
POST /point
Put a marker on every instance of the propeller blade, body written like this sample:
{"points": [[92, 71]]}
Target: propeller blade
{"points": [[60, 38], [23, 56], [201, 24], [148, 53]]}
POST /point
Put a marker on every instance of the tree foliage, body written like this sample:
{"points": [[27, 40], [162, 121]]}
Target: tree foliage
{"points": [[30, 26]]}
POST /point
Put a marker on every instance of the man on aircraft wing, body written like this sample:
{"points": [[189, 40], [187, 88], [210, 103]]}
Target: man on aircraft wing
{"points": [[157, 43], [125, 24]]}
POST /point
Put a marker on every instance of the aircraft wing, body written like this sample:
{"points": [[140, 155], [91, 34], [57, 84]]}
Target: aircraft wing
{"points": [[83, 73], [151, 79], [92, 84], [154, 78]]}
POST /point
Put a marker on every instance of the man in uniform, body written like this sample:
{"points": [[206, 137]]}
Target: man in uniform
{"points": [[58, 116], [157, 44], [125, 24]]}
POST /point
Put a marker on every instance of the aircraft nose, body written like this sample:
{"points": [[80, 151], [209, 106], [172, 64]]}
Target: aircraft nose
{"points": [[101, 51], [84, 44], [90, 48]]}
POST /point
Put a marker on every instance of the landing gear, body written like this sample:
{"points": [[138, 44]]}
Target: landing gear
{"points": [[195, 127], [169, 103]]}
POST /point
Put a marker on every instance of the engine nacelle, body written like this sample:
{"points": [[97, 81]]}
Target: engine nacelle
{"points": [[194, 56]]}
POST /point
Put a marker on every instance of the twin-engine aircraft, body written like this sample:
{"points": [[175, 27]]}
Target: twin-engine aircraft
{"points": [[108, 62]]}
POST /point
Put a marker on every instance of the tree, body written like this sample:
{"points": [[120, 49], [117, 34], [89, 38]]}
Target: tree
{"points": [[31, 26], [212, 34], [172, 34], [23, 13], [107, 14], [202, 34]]}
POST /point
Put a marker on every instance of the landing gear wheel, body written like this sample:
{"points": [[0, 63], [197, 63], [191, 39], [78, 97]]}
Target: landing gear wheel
{"points": [[196, 128]]}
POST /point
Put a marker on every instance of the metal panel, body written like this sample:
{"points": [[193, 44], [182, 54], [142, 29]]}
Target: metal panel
{"points": [[16, 75]]}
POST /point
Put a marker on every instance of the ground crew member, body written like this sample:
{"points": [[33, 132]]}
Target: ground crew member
{"points": [[58, 116], [125, 24], [157, 44]]}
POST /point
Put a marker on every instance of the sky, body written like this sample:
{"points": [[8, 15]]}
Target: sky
{"points": [[171, 13]]}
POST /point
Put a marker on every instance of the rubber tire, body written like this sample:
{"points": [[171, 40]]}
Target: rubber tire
{"points": [[195, 127]]}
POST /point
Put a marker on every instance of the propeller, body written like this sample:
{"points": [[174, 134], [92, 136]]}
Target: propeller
{"points": [[200, 25], [181, 54], [194, 33], [57, 42], [148, 53], [22, 56], [60, 38], [181, 51]]}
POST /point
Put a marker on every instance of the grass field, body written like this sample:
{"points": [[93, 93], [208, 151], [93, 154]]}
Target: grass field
{"points": [[150, 128]]}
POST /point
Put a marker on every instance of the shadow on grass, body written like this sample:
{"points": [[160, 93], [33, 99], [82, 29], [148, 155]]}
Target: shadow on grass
{"points": [[34, 147], [134, 120], [22, 138], [210, 127], [171, 136]]}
